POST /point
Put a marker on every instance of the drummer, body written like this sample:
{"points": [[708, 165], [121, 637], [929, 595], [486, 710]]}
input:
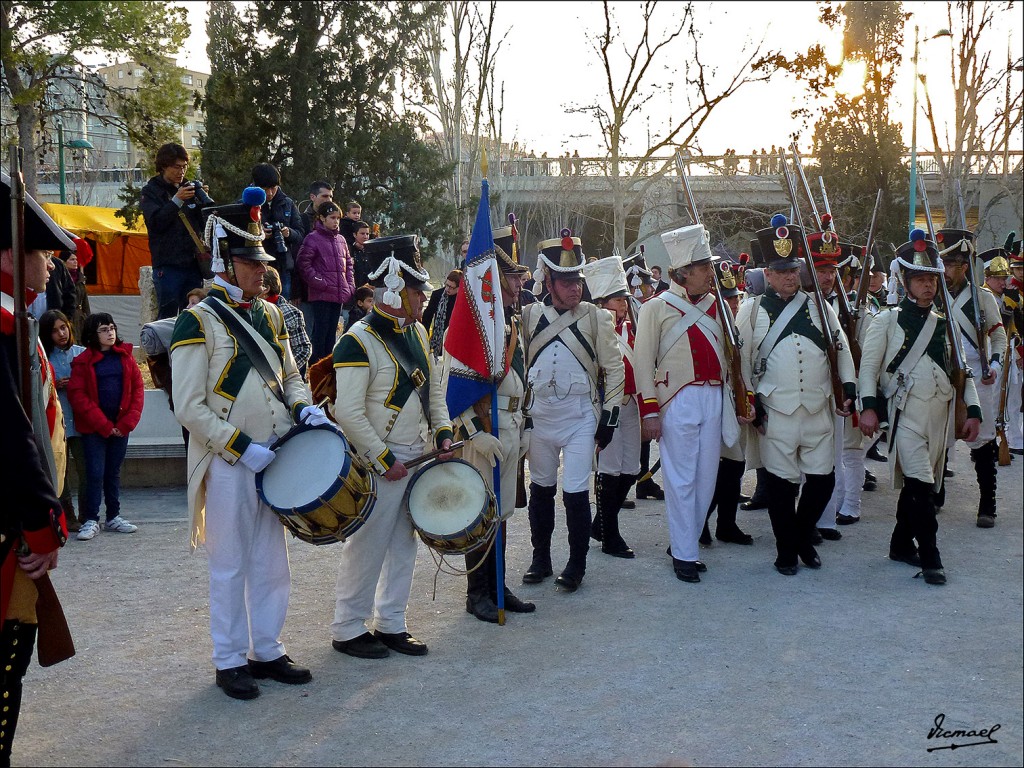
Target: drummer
{"points": [[389, 405], [218, 390], [483, 448]]}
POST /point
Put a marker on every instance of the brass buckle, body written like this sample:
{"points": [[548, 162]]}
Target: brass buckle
{"points": [[418, 379], [513, 403]]}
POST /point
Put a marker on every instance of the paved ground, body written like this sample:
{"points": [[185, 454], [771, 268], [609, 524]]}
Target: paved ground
{"points": [[847, 665]]}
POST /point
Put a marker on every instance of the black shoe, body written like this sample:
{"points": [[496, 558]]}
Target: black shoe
{"points": [[282, 669], [686, 571], [948, 473], [910, 558], [705, 537], [628, 504], [482, 607], [986, 521], [237, 682], [754, 503], [648, 489], [402, 642], [935, 576], [1017, 451], [702, 567], [515, 605], [570, 582], [842, 519], [537, 573], [366, 646], [744, 497], [870, 484], [809, 557], [816, 537], [787, 570], [618, 550], [874, 454], [734, 536], [829, 534]]}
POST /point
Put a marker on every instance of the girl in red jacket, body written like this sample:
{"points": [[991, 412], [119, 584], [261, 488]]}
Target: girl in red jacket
{"points": [[106, 394]]}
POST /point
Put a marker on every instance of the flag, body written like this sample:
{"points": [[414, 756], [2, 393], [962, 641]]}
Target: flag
{"points": [[475, 340]]}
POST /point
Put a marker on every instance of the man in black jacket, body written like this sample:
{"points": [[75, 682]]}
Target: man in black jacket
{"points": [[173, 251], [279, 209]]}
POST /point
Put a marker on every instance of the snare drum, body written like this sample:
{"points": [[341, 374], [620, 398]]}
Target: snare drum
{"points": [[317, 485], [451, 507]]}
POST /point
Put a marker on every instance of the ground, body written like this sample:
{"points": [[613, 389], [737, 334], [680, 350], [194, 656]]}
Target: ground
{"points": [[847, 665]]}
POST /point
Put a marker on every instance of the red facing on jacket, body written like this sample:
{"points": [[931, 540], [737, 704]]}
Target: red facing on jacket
{"points": [[84, 393]]}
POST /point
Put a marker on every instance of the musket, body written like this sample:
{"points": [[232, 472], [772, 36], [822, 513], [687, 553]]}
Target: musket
{"points": [[869, 261], [958, 374], [831, 350], [847, 317], [731, 339], [807, 187], [972, 280], [1004, 445]]}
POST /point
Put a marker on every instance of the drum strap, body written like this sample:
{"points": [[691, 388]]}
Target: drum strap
{"points": [[245, 336]]}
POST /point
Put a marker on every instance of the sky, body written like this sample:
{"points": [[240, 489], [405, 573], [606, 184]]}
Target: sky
{"points": [[551, 36]]}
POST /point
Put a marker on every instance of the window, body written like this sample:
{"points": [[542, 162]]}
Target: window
{"points": [[105, 77], [200, 126], [138, 73], [186, 79], [120, 74], [188, 126], [199, 83], [195, 141]]}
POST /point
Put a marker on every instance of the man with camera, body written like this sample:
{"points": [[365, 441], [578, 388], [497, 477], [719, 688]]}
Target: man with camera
{"points": [[170, 205], [282, 223]]}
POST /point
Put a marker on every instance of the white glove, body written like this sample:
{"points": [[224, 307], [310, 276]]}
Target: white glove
{"points": [[314, 416], [996, 368], [524, 443], [256, 457], [488, 446]]}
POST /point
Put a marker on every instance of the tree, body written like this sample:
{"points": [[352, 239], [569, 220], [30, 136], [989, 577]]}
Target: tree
{"points": [[316, 99], [627, 69], [40, 47], [986, 110], [858, 146]]}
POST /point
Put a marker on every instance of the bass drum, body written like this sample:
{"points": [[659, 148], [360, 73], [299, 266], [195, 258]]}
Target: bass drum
{"points": [[451, 508], [317, 485]]}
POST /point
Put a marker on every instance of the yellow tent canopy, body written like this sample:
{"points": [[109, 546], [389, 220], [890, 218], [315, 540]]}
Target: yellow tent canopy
{"points": [[120, 251]]}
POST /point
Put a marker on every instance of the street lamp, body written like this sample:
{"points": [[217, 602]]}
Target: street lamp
{"points": [[913, 130], [73, 144]]}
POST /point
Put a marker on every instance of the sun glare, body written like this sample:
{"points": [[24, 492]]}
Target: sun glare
{"points": [[851, 80]]}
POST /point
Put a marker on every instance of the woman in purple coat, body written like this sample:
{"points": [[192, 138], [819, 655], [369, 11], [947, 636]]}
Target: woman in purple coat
{"points": [[326, 268]]}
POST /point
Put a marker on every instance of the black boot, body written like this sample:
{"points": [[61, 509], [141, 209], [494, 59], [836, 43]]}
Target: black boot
{"points": [[577, 521], [984, 459], [481, 569], [512, 603], [600, 501], [16, 643], [542, 525], [782, 513], [760, 498], [612, 541], [814, 498], [921, 507], [901, 543], [727, 496]]}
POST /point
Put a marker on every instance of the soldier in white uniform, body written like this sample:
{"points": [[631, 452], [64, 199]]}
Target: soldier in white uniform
{"points": [[618, 465], [1013, 297], [233, 414], [784, 358], [997, 278], [482, 449], [681, 371], [391, 408], [956, 249], [574, 369], [907, 355]]}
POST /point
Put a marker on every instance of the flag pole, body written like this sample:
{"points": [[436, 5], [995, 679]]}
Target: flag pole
{"points": [[499, 542]]}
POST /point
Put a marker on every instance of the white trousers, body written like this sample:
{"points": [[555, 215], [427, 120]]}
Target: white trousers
{"points": [[690, 446], [1014, 418], [563, 426], [622, 454], [828, 517], [988, 398], [249, 576], [377, 563]]}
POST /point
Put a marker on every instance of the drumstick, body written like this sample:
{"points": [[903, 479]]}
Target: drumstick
{"points": [[433, 454]]}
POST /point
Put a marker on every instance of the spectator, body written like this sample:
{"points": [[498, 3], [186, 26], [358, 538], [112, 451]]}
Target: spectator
{"points": [[57, 336], [349, 225], [577, 164], [773, 163], [765, 162], [294, 322], [195, 296], [326, 267], [545, 165], [279, 209], [361, 306], [167, 204], [659, 284], [755, 164], [60, 293], [77, 275], [529, 283], [360, 264], [463, 252], [319, 192], [106, 394], [438, 313]]}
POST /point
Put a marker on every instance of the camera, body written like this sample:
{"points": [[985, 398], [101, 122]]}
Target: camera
{"points": [[201, 197], [280, 246]]}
